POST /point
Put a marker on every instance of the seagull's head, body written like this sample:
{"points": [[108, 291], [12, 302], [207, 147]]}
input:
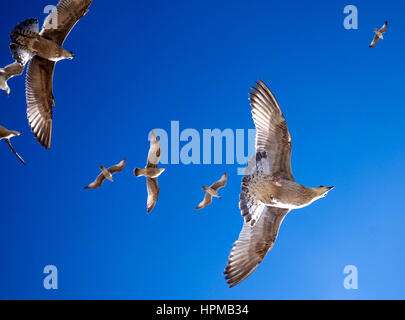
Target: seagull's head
{"points": [[323, 191], [67, 55]]}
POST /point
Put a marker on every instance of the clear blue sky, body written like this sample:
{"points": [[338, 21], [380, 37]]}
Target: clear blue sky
{"points": [[140, 65]]}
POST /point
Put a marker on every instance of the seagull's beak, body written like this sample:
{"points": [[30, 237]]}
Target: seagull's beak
{"points": [[331, 188]]}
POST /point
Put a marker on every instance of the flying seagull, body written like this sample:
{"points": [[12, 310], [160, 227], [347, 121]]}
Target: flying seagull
{"points": [[152, 172], [269, 190], [7, 135], [106, 174], [44, 48], [212, 191], [8, 72], [379, 34]]}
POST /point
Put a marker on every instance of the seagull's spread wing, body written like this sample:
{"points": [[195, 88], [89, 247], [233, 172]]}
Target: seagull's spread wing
{"points": [[117, 168], [154, 151], [39, 94], [67, 14], [375, 41], [384, 27], [253, 245], [272, 135], [220, 183], [40, 99], [15, 152], [207, 200], [97, 183], [153, 192], [12, 70]]}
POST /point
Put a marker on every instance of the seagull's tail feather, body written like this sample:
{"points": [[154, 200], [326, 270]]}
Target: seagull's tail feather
{"points": [[139, 172], [26, 30]]}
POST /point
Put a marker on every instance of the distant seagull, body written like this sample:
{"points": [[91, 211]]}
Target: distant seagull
{"points": [[12, 70], [212, 191], [152, 172], [379, 34], [269, 190], [106, 174], [45, 48], [7, 135]]}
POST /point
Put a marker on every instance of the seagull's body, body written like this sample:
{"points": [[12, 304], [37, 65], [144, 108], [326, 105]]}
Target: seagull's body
{"points": [[6, 135], [379, 34], [8, 72], [27, 38], [148, 172], [43, 49], [151, 172], [269, 191], [212, 191], [106, 174]]}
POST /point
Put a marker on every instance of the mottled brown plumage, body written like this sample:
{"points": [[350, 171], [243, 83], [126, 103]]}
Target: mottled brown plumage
{"points": [[44, 48]]}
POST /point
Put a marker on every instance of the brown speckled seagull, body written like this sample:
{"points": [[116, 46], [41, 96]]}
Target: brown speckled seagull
{"points": [[106, 174], [212, 191], [152, 172], [379, 34], [269, 190], [45, 49]]}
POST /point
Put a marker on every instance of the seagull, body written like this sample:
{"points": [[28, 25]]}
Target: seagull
{"points": [[7, 135], [212, 191], [8, 72], [152, 172], [44, 49], [379, 34], [269, 191], [106, 174]]}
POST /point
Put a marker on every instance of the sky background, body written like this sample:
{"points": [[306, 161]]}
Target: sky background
{"points": [[140, 65]]}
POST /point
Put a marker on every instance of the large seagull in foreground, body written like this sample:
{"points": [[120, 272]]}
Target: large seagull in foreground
{"points": [[269, 190], [45, 49]]}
